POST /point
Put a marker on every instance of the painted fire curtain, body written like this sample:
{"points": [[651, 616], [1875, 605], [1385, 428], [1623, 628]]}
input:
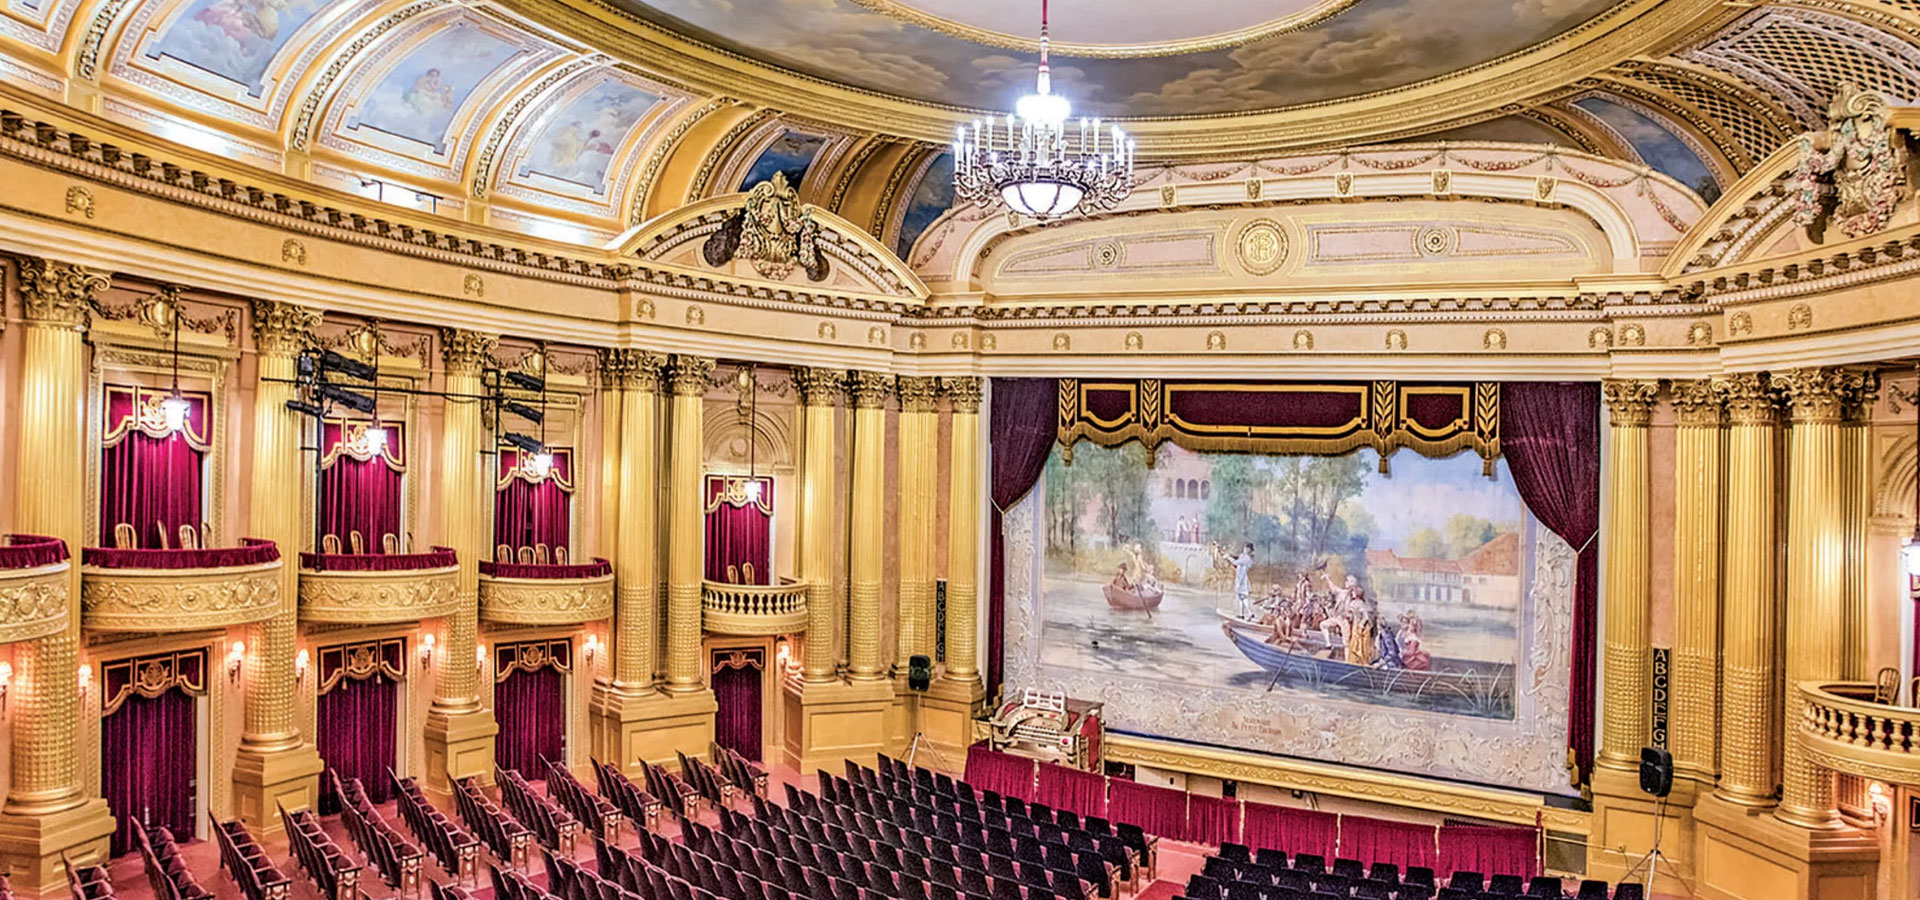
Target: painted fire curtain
{"points": [[530, 703], [361, 486], [149, 742], [739, 530], [736, 690], [1548, 432], [358, 715], [531, 509], [151, 475]]}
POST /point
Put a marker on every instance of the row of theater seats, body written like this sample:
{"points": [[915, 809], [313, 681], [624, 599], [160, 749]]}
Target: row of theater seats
{"points": [[166, 868], [319, 855], [717, 791], [1239, 873], [598, 813], [749, 777], [637, 805], [457, 851], [552, 826], [508, 839], [394, 857], [247, 863]]}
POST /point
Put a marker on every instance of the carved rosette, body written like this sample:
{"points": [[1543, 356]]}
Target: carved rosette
{"points": [[466, 352], [1629, 401], [963, 391], [546, 601], [1750, 398], [57, 294], [283, 329], [33, 602], [632, 369], [165, 600], [870, 390], [1820, 395], [918, 393], [689, 376], [1696, 404], [362, 598], [819, 387]]}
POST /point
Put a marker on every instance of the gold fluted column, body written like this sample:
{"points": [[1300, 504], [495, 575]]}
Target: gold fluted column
{"points": [[1749, 638], [918, 461], [820, 392], [1815, 583], [1856, 506], [1694, 732], [1626, 551], [870, 393], [47, 811], [459, 729], [689, 377], [963, 529], [275, 766]]}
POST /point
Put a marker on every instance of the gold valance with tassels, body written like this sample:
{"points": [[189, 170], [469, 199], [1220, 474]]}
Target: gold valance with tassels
{"points": [[359, 662], [151, 676], [531, 656]]}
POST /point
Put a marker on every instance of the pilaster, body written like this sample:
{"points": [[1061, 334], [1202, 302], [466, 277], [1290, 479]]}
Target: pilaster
{"points": [[948, 710], [870, 393], [1694, 729], [689, 377], [1749, 713], [820, 392]]}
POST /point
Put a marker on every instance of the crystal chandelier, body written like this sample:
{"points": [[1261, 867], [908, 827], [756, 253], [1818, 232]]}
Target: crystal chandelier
{"points": [[1037, 165]]}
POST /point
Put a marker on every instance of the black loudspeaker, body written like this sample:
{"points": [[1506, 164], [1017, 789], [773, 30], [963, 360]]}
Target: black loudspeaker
{"points": [[920, 672], [1656, 771]]}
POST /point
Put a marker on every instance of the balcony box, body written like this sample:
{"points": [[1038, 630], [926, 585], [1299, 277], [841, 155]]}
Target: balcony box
{"points": [[754, 609], [33, 587], [377, 588], [179, 590], [1843, 729], [520, 594]]}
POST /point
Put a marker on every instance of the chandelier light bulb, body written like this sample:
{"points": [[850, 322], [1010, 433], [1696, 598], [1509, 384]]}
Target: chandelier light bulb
{"points": [[540, 464], [752, 490], [377, 439], [175, 408]]}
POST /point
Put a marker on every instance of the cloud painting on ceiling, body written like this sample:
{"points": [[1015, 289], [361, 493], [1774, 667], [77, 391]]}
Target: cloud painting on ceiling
{"points": [[419, 96], [792, 153], [234, 39], [578, 143], [931, 197], [1375, 45], [1657, 145]]}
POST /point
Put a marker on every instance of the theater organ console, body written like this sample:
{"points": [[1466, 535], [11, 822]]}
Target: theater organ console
{"points": [[1049, 727]]}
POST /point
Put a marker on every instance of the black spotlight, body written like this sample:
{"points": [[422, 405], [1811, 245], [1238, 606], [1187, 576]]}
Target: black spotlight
{"points": [[919, 672], [525, 382], [304, 408], [353, 400], [523, 443], [331, 361], [523, 411]]}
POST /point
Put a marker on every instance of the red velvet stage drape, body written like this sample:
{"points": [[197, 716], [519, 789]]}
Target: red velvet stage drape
{"points": [[357, 735], [1021, 417], [1379, 840], [1060, 787], [1157, 810], [530, 510], [531, 708], [151, 476], [361, 490], [149, 755], [1292, 830], [739, 530], [736, 689], [1002, 773], [1550, 436], [1490, 850], [1212, 820]]}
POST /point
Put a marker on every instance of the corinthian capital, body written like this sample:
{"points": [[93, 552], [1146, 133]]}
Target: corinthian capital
{"points": [[631, 368], [690, 376], [1820, 394], [58, 294], [466, 352], [1750, 397], [917, 393], [870, 389], [1629, 400], [963, 391], [283, 329], [1697, 404], [819, 387]]}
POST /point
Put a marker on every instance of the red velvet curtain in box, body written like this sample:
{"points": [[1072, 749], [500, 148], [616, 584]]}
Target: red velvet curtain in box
{"points": [[736, 677], [358, 727], [1070, 789], [1002, 773], [529, 702], [149, 760], [1212, 820], [361, 484], [1157, 810], [1291, 830], [530, 509], [739, 530], [1379, 840], [150, 474], [1490, 850]]}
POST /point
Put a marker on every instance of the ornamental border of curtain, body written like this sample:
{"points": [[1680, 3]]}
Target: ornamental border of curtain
{"points": [[145, 415], [529, 656], [1380, 419], [361, 661], [754, 658], [561, 474], [733, 492], [151, 676], [351, 441]]}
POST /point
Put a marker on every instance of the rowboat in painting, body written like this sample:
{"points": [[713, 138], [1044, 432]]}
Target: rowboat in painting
{"points": [[1478, 682], [1133, 599]]}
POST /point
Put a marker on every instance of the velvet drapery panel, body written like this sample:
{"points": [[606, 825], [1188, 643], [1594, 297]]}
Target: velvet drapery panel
{"points": [[358, 736], [531, 708], [1021, 415], [1292, 830], [149, 755], [737, 692], [153, 484], [1490, 850], [739, 534]]}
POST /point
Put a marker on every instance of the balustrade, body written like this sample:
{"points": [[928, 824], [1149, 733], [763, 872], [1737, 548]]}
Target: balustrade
{"points": [[1844, 729], [754, 609]]}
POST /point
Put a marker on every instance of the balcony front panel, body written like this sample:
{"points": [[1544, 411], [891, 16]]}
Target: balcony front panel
{"points": [[753, 609], [181, 589], [1843, 729], [33, 601], [545, 601], [376, 597]]}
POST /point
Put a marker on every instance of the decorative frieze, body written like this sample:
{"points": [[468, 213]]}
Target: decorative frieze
{"points": [[365, 598], [33, 602], [165, 600], [546, 601]]}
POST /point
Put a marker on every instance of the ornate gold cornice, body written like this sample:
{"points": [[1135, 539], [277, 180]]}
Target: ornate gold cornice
{"points": [[1818, 394], [1750, 398], [963, 391], [632, 368], [689, 375], [1697, 404], [283, 328], [1629, 400], [58, 294], [819, 387], [917, 393], [466, 352], [870, 390]]}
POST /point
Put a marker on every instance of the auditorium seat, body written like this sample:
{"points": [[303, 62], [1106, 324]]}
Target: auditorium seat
{"points": [[1471, 882], [1239, 853], [1628, 890], [1271, 858], [1420, 875], [1350, 868], [1592, 889], [1310, 862], [1384, 871], [1504, 885], [1545, 886]]}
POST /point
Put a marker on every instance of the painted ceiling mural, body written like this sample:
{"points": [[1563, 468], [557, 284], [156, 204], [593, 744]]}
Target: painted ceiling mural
{"points": [[580, 141], [418, 97], [1657, 144], [791, 154], [932, 196], [234, 39], [1372, 45]]}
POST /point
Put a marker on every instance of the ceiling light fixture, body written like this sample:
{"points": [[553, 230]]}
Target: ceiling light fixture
{"points": [[1034, 164]]}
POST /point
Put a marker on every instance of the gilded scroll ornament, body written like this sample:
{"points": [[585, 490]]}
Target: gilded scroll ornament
{"points": [[1494, 339], [546, 601], [1303, 340], [828, 331], [1135, 341], [1854, 172], [1799, 317], [80, 201], [963, 391], [1062, 342], [1630, 401], [363, 598], [57, 293], [35, 605], [773, 231], [189, 600], [1216, 340]]}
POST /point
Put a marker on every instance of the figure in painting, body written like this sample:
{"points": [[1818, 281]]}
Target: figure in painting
{"points": [[1243, 580], [244, 20], [429, 95], [1411, 656]]}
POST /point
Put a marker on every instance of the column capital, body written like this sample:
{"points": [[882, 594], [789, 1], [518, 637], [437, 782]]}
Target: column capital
{"points": [[631, 368], [870, 390], [917, 392], [963, 391], [690, 376], [283, 329], [1750, 397], [818, 387], [466, 352], [58, 294], [1817, 394], [1859, 408], [1629, 400], [1697, 404]]}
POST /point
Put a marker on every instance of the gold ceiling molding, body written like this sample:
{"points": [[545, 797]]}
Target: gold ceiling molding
{"points": [[663, 148], [722, 150], [1306, 18], [302, 134]]}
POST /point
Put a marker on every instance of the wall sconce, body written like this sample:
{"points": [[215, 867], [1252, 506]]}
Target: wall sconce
{"points": [[6, 683], [86, 679], [593, 646], [426, 649], [784, 654], [300, 663], [1878, 799], [236, 655], [480, 656]]}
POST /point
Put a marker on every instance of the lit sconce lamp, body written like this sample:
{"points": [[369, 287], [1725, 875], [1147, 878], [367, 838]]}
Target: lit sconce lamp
{"points": [[300, 663], [784, 655], [86, 679], [6, 683], [175, 408], [752, 489], [236, 655], [480, 656], [593, 646], [426, 649], [1878, 799]]}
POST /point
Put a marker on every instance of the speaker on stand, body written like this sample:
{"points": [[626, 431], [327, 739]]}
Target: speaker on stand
{"points": [[1656, 780]]}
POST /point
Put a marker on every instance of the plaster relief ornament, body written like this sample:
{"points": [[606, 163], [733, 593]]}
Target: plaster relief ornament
{"points": [[774, 231], [1854, 172]]}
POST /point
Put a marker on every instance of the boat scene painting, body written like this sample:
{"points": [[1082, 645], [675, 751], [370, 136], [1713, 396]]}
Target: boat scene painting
{"points": [[1288, 576]]}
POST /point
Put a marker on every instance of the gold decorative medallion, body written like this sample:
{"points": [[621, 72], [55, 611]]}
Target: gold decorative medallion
{"points": [[989, 341], [1699, 334], [696, 316], [1013, 220], [80, 201], [643, 308], [1253, 189], [1396, 339], [473, 286], [1442, 181], [1303, 340], [1494, 339], [1800, 316], [1343, 183], [1062, 342], [917, 341], [1216, 340], [292, 251], [1261, 247], [1740, 323], [1166, 195], [828, 331], [1135, 341], [959, 340], [1633, 334], [876, 335], [1543, 188], [1600, 338], [1107, 254], [1435, 240]]}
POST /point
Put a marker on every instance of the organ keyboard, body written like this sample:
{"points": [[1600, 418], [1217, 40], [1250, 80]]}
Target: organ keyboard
{"points": [[1049, 727]]}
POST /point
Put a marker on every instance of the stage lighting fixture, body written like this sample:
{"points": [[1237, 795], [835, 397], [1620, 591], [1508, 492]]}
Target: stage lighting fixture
{"points": [[304, 408], [331, 361], [305, 365], [523, 411], [523, 443], [525, 382], [352, 400]]}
